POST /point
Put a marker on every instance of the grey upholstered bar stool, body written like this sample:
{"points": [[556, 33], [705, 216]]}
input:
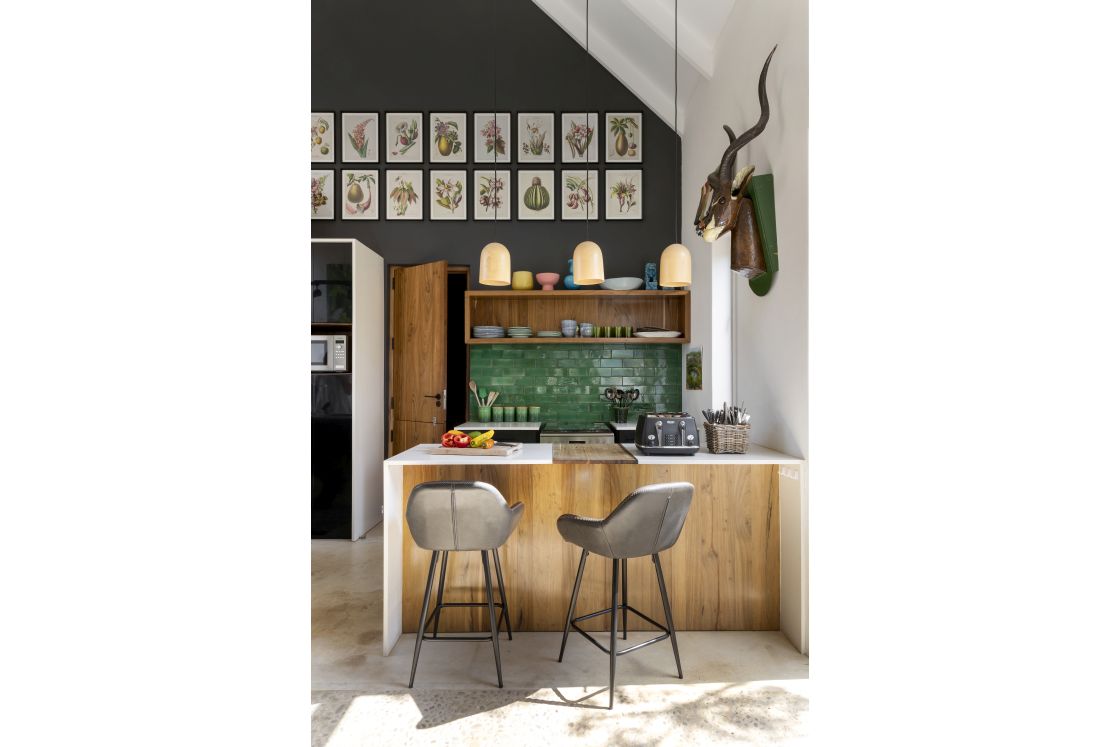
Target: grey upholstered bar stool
{"points": [[647, 522], [449, 516]]}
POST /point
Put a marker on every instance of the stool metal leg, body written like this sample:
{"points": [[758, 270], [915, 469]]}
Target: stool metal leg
{"points": [[614, 623], [493, 619], [502, 592], [625, 597], [439, 594], [572, 604], [668, 613], [423, 618]]}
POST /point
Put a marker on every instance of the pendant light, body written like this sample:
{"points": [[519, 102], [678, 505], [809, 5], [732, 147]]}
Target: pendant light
{"points": [[587, 260], [676, 260], [493, 265]]}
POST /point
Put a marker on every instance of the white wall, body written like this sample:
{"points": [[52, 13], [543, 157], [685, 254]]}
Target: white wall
{"points": [[756, 349]]}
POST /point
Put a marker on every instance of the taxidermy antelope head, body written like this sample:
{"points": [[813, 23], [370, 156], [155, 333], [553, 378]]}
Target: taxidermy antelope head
{"points": [[722, 197]]}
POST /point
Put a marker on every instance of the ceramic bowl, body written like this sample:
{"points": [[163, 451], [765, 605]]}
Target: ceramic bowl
{"points": [[548, 280], [622, 284], [522, 280]]}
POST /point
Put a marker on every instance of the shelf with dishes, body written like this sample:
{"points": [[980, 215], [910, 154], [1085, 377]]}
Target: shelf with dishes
{"points": [[577, 317]]}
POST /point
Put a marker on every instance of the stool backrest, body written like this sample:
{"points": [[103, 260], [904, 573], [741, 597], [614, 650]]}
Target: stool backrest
{"points": [[459, 515], [648, 520]]}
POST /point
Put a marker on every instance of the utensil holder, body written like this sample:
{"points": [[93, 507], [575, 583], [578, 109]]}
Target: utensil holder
{"points": [[484, 414], [727, 439], [620, 414]]}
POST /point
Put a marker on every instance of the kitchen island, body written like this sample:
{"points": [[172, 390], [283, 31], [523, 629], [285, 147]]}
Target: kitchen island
{"points": [[730, 569]]}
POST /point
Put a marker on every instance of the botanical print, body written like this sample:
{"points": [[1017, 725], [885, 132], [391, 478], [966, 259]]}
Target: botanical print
{"points": [[624, 137], [402, 138], [322, 136], [491, 137], [406, 195], [581, 137], [624, 195], [446, 137], [580, 195], [359, 137], [322, 195], [491, 195], [694, 369], [359, 191], [535, 188], [535, 138], [449, 195]]}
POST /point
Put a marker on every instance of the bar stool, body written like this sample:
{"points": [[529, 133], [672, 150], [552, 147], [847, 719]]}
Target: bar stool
{"points": [[647, 522], [447, 516]]}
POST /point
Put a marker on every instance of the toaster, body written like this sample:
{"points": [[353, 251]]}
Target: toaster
{"points": [[666, 434]]}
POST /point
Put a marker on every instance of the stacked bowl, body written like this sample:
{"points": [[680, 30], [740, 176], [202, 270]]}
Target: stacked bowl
{"points": [[488, 331], [568, 327]]}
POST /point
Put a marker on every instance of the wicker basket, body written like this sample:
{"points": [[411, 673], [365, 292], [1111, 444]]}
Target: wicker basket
{"points": [[727, 439]]}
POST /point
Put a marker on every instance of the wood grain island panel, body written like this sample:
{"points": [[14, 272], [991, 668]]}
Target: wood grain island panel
{"points": [[723, 573]]}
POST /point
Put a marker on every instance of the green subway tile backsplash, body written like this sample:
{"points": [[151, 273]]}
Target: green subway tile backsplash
{"points": [[567, 381]]}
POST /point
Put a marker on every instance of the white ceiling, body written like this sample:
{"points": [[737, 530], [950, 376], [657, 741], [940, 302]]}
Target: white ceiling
{"points": [[633, 39]]}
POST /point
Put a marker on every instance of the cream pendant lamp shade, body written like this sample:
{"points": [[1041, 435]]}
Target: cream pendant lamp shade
{"points": [[676, 266], [587, 264], [493, 265]]}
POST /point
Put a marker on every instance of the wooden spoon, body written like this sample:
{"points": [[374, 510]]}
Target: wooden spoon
{"points": [[491, 397], [474, 390]]}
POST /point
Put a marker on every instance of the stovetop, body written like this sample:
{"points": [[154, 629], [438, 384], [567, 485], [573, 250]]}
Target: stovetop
{"points": [[575, 428]]}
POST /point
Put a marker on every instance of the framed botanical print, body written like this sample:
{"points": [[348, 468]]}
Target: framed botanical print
{"points": [[322, 195], [536, 195], [405, 199], [581, 137], [535, 138], [360, 196], [491, 137], [446, 136], [624, 137], [448, 190], [579, 194], [491, 194], [322, 137], [403, 138], [624, 194], [359, 137]]}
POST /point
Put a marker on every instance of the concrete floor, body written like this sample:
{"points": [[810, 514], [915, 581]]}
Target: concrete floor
{"points": [[346, 653]]}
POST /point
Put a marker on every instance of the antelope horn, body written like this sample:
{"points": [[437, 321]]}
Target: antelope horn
{"points": [[728, 162]]}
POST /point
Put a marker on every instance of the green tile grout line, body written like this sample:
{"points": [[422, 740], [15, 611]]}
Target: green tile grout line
{"points": [[567, 381]]}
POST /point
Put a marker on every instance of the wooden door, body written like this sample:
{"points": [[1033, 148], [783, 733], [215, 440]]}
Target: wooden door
{"points": [[418, 355]]}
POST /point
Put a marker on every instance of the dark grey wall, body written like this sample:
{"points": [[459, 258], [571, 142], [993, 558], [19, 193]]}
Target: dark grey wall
{"points": [[435, 55]]}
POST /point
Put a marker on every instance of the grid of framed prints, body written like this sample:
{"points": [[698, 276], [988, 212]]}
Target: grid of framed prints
{"points": [[540, 188]]}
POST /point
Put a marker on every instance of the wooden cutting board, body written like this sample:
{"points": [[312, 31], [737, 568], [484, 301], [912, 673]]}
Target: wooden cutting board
{"points": [[497, 450], [592, 454]]}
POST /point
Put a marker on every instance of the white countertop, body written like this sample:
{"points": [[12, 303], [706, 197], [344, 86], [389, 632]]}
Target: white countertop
{"points": [[755, 455], [542, 454], [474, 425], [418, 455]]}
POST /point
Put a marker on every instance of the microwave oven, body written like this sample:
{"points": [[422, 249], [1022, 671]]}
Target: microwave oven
{"points": [[330, 353]]}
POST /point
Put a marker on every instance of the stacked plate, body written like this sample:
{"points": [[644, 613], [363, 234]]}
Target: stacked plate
{"points": [[549, 333], [487, 331], [520, 332]]}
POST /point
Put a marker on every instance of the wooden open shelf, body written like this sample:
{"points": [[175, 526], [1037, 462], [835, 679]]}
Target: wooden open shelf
{"points": [[543, 310]]}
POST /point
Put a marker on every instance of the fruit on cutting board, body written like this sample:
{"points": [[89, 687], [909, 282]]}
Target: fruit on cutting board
{"points": [[479, 441], [454, 439]]}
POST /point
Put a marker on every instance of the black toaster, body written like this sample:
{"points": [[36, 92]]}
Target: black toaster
{"points": [[667, 434]]}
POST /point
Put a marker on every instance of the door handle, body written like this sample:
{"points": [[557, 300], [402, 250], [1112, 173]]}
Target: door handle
{"points": [[438, 397]]}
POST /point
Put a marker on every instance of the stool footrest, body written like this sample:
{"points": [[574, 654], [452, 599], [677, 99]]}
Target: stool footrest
{"points": [[605, 650]]}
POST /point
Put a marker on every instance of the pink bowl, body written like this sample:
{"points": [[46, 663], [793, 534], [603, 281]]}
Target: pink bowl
{"points": [[548, 280]]}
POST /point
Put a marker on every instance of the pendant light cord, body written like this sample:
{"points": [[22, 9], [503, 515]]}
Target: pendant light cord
{"points": [[494, 190], [587, 117], [676, 138]]}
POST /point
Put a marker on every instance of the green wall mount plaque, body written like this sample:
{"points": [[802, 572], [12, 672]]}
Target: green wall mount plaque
{"points": [[761, 191]]}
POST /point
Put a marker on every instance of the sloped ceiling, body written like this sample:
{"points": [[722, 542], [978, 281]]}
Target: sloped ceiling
{"points": [[633, 39]]}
